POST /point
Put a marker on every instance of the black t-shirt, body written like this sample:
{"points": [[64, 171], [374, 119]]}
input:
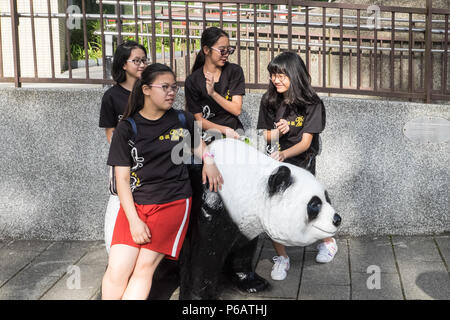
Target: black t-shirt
{"points": [[231, 83], [306, 119], [114, 103], [155, 178]]}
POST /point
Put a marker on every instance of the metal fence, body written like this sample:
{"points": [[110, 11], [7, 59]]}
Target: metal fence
{"points": [[349, 49]]}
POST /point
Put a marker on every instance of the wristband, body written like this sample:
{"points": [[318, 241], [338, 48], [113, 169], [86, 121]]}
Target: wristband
{"points": [[207, 154]]}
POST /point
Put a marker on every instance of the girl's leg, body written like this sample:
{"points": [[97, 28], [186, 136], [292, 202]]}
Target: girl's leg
{"points": [[281, 262], [140, 282], [280, 249], [110, 219], [122, 260], [327, 250]]}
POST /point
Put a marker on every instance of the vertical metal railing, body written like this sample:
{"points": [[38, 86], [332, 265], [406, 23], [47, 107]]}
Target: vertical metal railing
{"points": [[428, 67], [33, 39], [102, 39], [445, 59], [15, 42], [330, 37]]}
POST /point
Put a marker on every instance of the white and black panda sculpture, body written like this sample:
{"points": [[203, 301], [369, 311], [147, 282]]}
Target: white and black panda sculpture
{"points": [[259, 195], [264, 195]]}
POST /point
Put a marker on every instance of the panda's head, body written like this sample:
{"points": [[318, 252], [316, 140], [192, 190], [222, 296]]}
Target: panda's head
{"points": [[299, 208]]}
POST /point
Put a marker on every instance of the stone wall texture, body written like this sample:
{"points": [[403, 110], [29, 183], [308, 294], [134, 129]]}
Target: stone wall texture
{"points": [[54, 176]]}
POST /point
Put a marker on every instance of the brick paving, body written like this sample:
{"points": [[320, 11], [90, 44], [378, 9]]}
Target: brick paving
{"points": [[367, 268]]}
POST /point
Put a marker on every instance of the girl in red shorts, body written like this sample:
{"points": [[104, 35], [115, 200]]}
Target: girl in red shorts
{"points": [[153, 186]]}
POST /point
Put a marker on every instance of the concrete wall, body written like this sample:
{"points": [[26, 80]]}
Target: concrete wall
{"points": [[53, 181]]}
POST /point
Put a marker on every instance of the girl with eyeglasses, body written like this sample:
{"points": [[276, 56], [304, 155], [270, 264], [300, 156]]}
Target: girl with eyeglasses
{"points": [[215, 88], [154, 189], [292, 116], [130, 59], [214, 94]]}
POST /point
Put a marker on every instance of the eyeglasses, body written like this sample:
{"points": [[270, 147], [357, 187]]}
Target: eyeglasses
{"points": [[166, 87], [279, 76], [138, 61], [224, 52]]}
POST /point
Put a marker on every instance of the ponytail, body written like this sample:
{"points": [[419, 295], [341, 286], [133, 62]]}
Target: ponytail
{"points": [[209, 38], [199, 60], [135, 100], [137, 97]]}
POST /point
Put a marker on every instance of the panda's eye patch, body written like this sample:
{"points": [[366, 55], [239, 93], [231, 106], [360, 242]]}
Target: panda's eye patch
{"points": [[327, 197], [314, 206]]}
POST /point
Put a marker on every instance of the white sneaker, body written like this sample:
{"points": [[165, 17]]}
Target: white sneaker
{"points": [[327, 251], [280, 268]]}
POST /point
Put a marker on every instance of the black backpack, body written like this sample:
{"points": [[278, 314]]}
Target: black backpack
{"points": [[112, 175]]}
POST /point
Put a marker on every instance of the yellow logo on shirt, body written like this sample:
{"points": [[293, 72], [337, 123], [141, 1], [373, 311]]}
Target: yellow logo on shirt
{"points": [[298, 122], [135, 182], [174, 135], [228, 97]]}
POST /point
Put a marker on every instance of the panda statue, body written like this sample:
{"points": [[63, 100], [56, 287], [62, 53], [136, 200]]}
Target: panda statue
{"points": [[259, 195]]}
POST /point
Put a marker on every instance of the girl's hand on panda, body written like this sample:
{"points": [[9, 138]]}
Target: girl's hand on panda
{"points": [[230, 133], [282, 126], [213, 175], [278, 155]]}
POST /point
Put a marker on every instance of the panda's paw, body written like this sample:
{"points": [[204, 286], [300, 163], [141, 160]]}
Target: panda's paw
{"points": [[212, 201], [249, 282]]}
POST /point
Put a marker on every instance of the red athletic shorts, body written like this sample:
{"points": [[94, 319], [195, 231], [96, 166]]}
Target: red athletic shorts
{"points": [[167, 222]]}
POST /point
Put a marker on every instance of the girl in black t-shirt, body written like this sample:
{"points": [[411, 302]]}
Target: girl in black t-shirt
{"points": [[130, 59], [214, 93], [292, 116], [215, 88], [153, 184]]}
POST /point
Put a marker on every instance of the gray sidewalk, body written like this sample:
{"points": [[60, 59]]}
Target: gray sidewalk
{"points": [[396, 268]]}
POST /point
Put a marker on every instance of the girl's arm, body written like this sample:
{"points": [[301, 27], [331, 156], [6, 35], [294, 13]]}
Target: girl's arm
{"points": [[234, 106], [296, 149], [109, 132], [270, 135], [275, 134], [139, 230], [210, 170], [207, 125]]}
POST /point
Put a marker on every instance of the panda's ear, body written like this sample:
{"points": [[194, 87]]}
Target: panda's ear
{"points": [[279, 180]]}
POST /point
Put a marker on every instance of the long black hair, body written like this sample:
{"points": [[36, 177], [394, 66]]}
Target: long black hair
{"points": [[121, 56], [136, 99], [300, 92], [209, 37]]}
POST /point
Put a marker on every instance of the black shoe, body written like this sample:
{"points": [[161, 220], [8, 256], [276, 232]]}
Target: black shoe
{"points": [[249, 282]]}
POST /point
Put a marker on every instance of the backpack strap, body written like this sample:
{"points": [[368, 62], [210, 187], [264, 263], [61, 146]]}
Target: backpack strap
{"points": [[133, 126], [182, 118]]}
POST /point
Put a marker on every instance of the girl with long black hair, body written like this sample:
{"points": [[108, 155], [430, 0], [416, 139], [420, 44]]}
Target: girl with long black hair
{"points": [[130, 59], [214, 93], [153, 187], [215, 88], [292, 116]]}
